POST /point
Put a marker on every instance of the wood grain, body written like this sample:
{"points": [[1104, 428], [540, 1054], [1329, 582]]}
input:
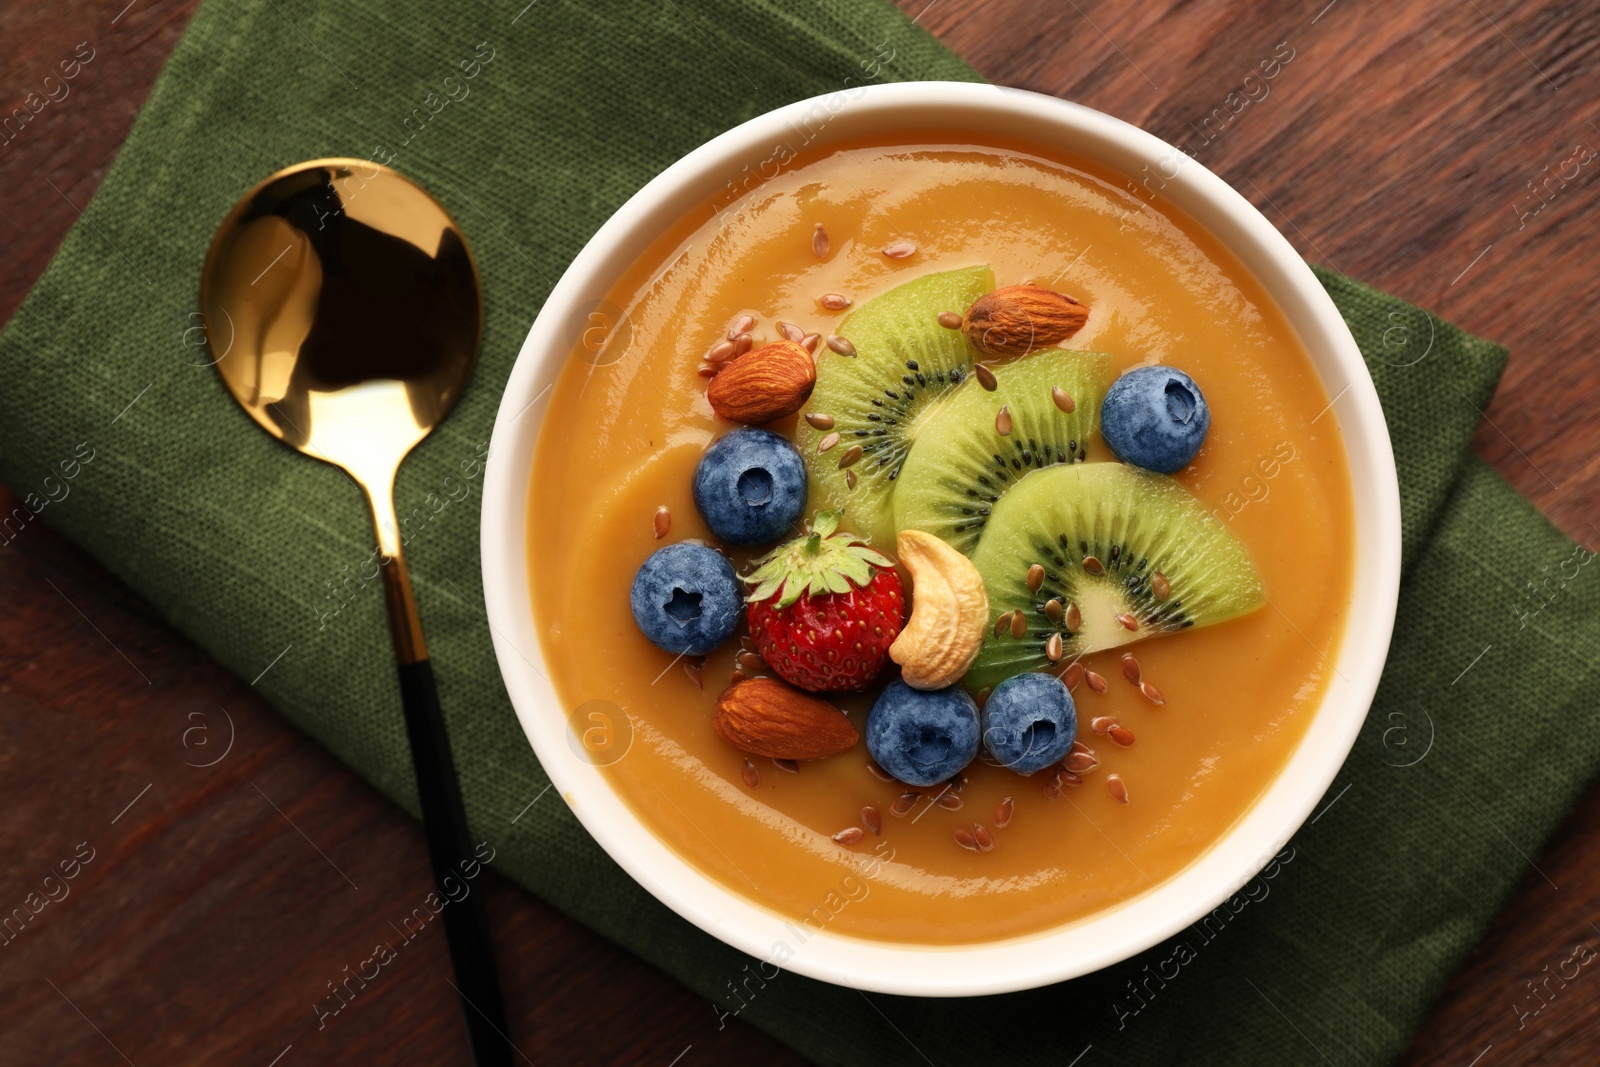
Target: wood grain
{"points": [[1397, 144]]}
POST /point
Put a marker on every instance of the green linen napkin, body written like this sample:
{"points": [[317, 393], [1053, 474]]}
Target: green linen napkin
{"points": [[554, 113]]}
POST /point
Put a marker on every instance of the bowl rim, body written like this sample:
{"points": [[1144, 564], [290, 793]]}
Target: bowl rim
{"points": [[1059, 953]]}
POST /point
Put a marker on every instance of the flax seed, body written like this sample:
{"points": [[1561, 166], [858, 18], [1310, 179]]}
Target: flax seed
{"points": [[983, 837], [850, 479], [965, 839], [1052, 610], [787, 765], [720, 352], [827, 442], [663, 521], [1072, 675], [751, 776], [1035, 578], [985, 377], [1003, 812], [819, 422], [949, 320], [871, 820], [900, 250], [1063, 399], [1019, 625], [791, 332], [1151, 693], [707, 372], [903, 804], [1080, 763], [1093, 565], [1052, 786], [851, 454], [750, 663], [849, 835], [1130, 668], [1052, 648], [693, 669], [1002, 624], [1128, 621], [949, 801], [1002, 421], [1102, 724], [1121, 735], [878, 772], [1068, 778], [819, 242], [1097, 682], [1117, 788], [835, 301], [809, 342], [742, 324], [983, 697], [841, 345], [1160, 588], [1073, 618], [1079, 746]]}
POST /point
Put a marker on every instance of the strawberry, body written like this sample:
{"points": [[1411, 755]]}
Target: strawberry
{"points": [[825, 608]]}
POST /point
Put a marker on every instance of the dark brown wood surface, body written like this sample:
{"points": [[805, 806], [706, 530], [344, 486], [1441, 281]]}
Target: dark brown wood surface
{"points": [[1425, 146]]}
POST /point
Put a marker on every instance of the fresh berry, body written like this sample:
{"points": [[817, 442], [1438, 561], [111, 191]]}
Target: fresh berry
{"points": [[686, 599], [826, 608], [920, 736], [750, 487], [1029, 722], [1155, 418]]}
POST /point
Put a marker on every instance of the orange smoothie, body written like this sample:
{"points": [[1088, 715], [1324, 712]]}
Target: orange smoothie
{"points": [[628, 420]]}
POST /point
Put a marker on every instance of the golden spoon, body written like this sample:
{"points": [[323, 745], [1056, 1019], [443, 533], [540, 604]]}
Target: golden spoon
{"points": [[343, 310]]}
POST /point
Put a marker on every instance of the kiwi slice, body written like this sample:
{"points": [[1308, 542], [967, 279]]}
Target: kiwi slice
{"points": [[880, 398], [962, 463], [1101, 532]]}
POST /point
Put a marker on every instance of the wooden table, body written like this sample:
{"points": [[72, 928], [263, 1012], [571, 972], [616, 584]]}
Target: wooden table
{"points": [[1399, 142]]}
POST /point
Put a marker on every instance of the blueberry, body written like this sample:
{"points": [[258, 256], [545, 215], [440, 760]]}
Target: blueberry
{"points": [[686, 599], [750, 487], [1155, 418], [1029, 722], [922, 738]]}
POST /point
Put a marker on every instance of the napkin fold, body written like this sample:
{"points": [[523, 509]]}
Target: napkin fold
{"points": [[533, 123]]}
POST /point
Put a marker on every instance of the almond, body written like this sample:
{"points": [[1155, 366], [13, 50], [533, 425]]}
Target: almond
{"points": [[1016, 319], [764, 717], [764, 384]]}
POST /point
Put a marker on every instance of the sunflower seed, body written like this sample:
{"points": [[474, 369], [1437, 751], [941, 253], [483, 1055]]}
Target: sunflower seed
{"points": [[819, 422], [1096, 682], [1035, 578], [1019, 624], [878, 772], [1063, 399], [1073, 618], [809, 342], [1072, 675], [787, 765], [1052, 610], [1052, 648], [983, 837], [1002, 420], [740, 325], [850, 479], [662, 521], [751, 776], [849, 835], [1151, 693], [1121, 735], [1002, 624], [1160, 588], [842, 345], [1117, 788], [1093, 565], [819, 242], [900, 250], [1102, 724], [950, 320], [693, 669], [1002, 813], [903, 804], [1130, 668], [965, 839], [791, 332], [985, 377], [1081, 763], [1128, 621], [851, 454], [720, 352], [827, 442], [871, 820], [835, 301]]}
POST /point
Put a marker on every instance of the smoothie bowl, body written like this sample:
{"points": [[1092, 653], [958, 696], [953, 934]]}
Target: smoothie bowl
{"points": [[920, 539]]}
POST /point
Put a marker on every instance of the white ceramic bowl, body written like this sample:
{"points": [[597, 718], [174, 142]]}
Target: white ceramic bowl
{"points": [[1088, 944]]}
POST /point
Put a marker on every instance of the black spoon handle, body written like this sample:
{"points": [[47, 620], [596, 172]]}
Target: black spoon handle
{"points": [[444, 821]]}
